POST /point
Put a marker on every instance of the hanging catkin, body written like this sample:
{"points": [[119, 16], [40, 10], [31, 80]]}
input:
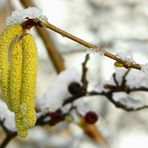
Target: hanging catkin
{"points": [[30, 60], [18, 76], [15, 86], [15, 75], [5, 40]]}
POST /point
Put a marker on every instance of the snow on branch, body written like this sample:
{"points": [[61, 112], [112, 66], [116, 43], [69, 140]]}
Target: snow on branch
{"points": [[58, 90], [126, 56], [130, 104], [20, 16]]}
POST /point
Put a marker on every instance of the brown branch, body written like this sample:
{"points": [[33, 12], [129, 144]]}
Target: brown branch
{"points": [[115, 79], [7, 139], [84, 72], [126, 64], [52, 51], [93, 132], [9, 135]]}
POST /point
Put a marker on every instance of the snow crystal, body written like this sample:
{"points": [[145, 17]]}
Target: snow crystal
{"points": [[7, 116], [57, 92], [131, 103], [126, 56], [19, 16]]}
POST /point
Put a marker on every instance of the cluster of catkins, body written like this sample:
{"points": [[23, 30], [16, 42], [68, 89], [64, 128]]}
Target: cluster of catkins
{"points": [[18, 69]]}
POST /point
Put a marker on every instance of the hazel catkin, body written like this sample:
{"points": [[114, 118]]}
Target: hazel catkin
{"points": [[5, 40], [30, 59], [18, 76], [15, 76]]}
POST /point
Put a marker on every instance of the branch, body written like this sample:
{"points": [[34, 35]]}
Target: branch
{"points": [[9, 135], [84, 72], [109, 96], [115, 80], [37, 22], [126, 64], [124, 77]]}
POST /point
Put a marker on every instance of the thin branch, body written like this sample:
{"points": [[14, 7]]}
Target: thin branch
{"points": [[124, 77], [9, 135], [115, 80], [84, 72], [126, 64], [7, 139], [73, 98]]}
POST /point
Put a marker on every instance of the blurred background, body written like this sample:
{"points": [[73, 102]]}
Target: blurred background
{"points": [[114, 25]]}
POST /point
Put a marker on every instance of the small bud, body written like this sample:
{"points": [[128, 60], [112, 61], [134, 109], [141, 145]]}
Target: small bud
{"points": [[74, 88], [91, 117], [52, 115], [69, 118], [117, 64], [57, 115]]}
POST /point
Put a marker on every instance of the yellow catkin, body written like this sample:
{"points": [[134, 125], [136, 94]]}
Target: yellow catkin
{"points": [[30, 59], [5, 40], [15, 86], [15, 75]]}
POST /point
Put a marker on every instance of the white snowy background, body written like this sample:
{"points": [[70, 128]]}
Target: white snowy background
{"points": [[115, 25]]}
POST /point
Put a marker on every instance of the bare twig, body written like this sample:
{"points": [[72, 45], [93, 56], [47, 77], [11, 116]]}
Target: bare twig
{"points": [[9, 135], [84, 72], [126, 64], [124, 77], [115, 80], [94, 133]]}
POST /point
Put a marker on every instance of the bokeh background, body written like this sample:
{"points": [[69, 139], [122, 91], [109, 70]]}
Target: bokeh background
{"points": [[114, 25]]}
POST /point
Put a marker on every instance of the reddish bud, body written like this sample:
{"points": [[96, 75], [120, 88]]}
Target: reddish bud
{"points": [[52, 115], [91, 117], [57, 115]]}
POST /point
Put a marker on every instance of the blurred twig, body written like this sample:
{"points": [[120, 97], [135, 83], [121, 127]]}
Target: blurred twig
{"points": [[93, 132], [124, 77], [9, 135], [84, 72], [53, 53]]}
